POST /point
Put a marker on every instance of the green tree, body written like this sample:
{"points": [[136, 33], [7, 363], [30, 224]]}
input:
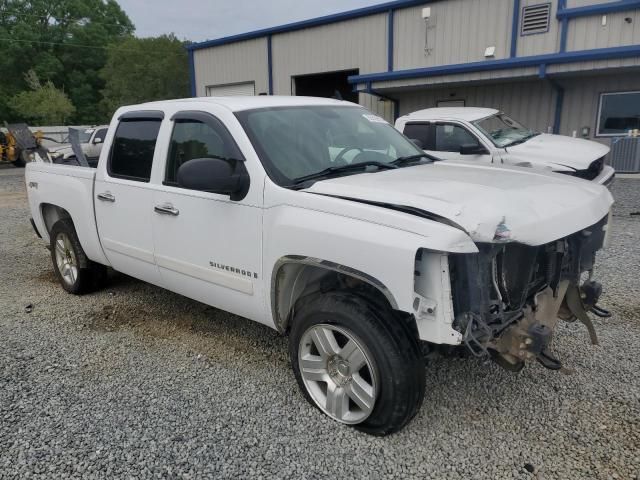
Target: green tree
{"points": [[43, 104], [145, 69], [62, 41]]}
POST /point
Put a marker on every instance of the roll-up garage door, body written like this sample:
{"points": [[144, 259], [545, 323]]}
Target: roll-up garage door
{"points": [[235, 89]]}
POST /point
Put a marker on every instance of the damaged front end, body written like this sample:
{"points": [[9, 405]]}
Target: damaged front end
{"points": [[509, 297]]}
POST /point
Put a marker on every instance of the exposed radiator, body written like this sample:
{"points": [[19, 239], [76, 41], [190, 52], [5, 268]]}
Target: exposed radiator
{"points": [[625, 154]]}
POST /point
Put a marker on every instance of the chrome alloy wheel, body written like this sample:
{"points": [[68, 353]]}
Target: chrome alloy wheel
{"points": [[66, 259], [338, 373]]}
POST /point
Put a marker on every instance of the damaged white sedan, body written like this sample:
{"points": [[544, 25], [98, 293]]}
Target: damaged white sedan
{"points": [[320, 220]]}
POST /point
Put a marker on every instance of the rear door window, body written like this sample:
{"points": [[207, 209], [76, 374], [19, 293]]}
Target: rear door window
{"points": [[133, 147]]}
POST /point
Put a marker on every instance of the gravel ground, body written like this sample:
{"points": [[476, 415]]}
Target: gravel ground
{"points": [[137, 382]]}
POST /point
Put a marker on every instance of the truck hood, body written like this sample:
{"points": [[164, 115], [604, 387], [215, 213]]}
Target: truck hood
{"points": [[558, 152], [527, 206]]}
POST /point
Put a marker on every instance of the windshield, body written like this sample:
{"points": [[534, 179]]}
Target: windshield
{"points": [[295, 142], [504, 131]]}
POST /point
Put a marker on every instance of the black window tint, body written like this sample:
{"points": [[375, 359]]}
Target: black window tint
{"points": [[133, 147], [449, 138], [619, 113], [420, 132], [194, 139], [101, 134]]}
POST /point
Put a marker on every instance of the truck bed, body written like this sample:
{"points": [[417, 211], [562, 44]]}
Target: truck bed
{"points": [[70, 188]]}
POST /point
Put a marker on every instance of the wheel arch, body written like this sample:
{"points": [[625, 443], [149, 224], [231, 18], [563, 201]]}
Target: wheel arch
{"points": [[51, 214], [294, 276]]}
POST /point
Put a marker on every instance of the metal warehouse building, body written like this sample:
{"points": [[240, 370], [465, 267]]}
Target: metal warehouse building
{"points": [[565, 66]]}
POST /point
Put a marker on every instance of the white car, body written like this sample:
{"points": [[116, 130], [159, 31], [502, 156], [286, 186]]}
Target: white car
{"points": [[91, 141], [488, 135], [250, 205]]}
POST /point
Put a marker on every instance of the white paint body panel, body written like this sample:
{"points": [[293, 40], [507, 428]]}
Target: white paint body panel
{"points": [[224, 253], [545, 151]]}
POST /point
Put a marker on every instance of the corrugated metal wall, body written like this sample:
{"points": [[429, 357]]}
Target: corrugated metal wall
{"points": [[459, 31], [588, 32], [582, 96], [532, 103], [356, 44], [234, 63], [540, 43]]}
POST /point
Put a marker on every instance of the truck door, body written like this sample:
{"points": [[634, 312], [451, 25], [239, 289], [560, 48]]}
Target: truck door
{"points": [[448, 141], [123, 198], [207, 246]]}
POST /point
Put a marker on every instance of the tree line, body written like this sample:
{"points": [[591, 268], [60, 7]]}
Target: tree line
{"points": [[77, 61]]}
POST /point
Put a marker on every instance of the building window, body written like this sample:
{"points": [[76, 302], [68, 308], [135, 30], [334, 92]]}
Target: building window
{"points": [[535, 19], [618, 113]]}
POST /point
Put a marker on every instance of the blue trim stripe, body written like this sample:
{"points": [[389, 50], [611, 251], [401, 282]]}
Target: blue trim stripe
{"points": [[390, 34], [597, 9], [314, 22], [192, 74], [564, 29], [502, 64], [515, 27]]}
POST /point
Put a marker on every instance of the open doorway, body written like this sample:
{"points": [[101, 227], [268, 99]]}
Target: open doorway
{"points": [[326, 85]]}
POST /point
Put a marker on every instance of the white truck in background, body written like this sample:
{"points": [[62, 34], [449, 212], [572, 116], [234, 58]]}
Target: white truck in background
{"points": [[91, 141], [320, 220], [489, 136]]}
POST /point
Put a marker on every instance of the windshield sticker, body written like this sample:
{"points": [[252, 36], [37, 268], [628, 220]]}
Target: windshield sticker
{"points": [[374, 118]]}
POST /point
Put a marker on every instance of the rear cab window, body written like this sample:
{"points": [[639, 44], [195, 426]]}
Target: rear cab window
{"points": [[133, 147]]}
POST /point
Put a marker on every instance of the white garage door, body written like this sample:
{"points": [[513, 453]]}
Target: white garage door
{"points": [[236, 89]]}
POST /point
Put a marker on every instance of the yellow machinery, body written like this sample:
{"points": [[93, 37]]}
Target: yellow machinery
{"points": [[9, 151], [18, 145]]}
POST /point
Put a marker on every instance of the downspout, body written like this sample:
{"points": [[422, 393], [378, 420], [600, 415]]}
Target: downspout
{"points": [[395, 101], [515, 22], [564, 26], [269, 65], [559, 91], [390, 33], [192, 73]]}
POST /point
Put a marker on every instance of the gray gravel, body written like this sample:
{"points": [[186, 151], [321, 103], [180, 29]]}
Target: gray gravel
{"points": [[137, 382]]}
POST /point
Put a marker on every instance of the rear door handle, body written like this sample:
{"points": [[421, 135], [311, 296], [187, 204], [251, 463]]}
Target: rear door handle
{"points": [[167, 209], [106, 197]]}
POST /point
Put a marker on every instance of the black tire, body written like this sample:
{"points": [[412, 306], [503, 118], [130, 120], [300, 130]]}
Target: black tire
{"points": [[19, 162], [393, 349], [90, 276]]}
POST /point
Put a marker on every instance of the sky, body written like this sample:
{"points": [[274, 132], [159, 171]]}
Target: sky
{"points": [[199, 20]]}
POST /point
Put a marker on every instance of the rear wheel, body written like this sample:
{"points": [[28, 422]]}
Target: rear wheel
{"points": [[356, 363], [76, 273]]}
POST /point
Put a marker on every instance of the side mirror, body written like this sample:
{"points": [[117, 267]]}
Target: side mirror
{"points": [[97, 140], [214, 175], [472, 149], [417, 143]]}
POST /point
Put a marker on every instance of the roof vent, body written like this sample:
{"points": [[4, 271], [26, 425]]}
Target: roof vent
{"points": [[535, 19]]}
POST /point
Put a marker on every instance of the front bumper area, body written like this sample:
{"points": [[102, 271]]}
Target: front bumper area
{"points": [[508, 299]]}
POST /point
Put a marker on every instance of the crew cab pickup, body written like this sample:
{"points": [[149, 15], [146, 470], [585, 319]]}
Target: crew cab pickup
{"points": [[320, 220], [489, 136]]}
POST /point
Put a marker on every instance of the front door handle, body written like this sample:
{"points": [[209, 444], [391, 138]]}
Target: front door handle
{"points": [[167, 209], [106, 197]]}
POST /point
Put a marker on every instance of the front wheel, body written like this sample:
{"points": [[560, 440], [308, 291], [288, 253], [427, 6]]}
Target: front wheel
{"points": [[359, 365]]}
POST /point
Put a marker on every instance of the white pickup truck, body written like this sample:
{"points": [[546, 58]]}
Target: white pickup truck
{"points": [[489, 136], [250, 205]]}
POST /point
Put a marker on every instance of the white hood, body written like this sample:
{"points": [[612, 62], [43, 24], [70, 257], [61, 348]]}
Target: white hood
{"points": [[535, 206], [557, 151]]}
